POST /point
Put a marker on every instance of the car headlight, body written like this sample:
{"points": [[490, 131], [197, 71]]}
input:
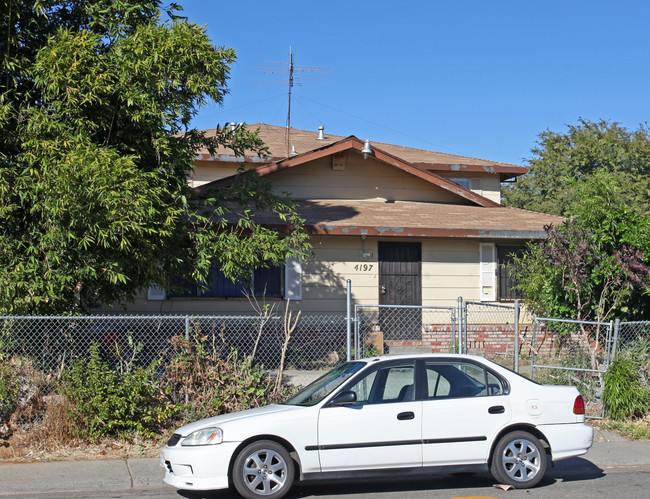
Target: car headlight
{"points": [[206, 436]]}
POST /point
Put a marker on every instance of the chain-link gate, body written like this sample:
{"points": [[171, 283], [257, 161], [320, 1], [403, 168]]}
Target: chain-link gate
{"points": [[571, 352], [396, 329], [490, 329]]}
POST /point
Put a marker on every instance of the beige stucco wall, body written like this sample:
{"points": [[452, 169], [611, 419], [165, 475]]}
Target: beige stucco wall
{"points": [[487, 185], [208, 171], [450, 268], [361, 179]]}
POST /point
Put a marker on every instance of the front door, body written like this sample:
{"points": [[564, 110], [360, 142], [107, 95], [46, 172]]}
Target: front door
{"points": [[400, 283]]}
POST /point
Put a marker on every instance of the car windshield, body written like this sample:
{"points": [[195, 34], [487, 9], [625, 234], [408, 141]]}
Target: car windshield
{"points": [[315, 392]]}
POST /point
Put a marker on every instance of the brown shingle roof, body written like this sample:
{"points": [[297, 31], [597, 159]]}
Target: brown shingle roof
{"points": [[275, 138], [419, 219]]}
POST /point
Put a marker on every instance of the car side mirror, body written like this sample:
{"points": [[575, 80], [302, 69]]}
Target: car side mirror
{"points": [[343, 398]]}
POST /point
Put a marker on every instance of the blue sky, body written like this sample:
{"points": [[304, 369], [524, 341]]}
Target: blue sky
{"points": [[477, 78]]}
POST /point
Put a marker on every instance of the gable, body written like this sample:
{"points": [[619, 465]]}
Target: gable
{"points": [[351, 177], [350, 150]]}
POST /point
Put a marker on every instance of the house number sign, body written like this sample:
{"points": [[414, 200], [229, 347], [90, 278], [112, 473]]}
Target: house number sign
{"points": [[363, 267]]}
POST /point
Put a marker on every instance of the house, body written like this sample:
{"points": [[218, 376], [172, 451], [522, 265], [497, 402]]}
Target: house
{"points": [[404, 225]]}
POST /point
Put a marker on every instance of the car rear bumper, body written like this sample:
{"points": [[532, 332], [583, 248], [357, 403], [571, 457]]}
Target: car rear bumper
{"points": [[568, 440]]}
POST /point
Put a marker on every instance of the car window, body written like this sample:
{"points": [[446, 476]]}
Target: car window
{"points": [[460, 379], [495, 386], [325, 385], [394, 383], [437, 385], [364, 386]]}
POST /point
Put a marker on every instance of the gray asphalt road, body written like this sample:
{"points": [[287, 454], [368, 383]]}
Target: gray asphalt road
{"points": [[577, 478], [614, 467]]}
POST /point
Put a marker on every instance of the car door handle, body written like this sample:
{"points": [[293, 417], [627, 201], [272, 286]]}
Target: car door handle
{"points": [[403, 416], [497, 409]]}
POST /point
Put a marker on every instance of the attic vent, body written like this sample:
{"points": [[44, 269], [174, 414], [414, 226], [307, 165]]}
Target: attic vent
{"points": [[321, 133], [338, 162]]}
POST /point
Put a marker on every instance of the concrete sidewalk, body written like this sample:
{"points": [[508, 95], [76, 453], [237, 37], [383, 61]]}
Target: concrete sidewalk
{"points": [[79, 476], [609, 451]]}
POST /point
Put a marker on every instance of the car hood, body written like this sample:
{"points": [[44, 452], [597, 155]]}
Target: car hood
{"points": [[235, 416]]}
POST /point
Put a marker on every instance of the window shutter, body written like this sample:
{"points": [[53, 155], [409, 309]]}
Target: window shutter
{"points": [[293, 279], [155, 293], [488, 267]]}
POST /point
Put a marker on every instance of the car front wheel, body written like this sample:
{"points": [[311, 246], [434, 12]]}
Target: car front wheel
{"points": [[263, 469], [519, 460]]}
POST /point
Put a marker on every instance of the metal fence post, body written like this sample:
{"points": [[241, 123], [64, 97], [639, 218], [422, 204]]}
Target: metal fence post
{"points": [[465, 329], [187, 337], [617, 329], [516, 351], [349, 320], [532, 350], [453, 329], [356, 333], [460, 325]]}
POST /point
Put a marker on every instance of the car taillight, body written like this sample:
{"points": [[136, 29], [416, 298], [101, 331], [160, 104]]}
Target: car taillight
{"points": [[579, 405]]}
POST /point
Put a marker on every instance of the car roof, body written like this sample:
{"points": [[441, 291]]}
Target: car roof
{"points": [[423, 356]]}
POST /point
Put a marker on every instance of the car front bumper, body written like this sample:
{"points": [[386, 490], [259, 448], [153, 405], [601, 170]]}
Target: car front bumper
{"points": [[202, 467], [568, 440]]}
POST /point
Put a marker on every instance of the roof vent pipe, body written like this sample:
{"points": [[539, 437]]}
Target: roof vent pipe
{"points": [[321, 133], [366, 150], [293, 151], [233, 126]]}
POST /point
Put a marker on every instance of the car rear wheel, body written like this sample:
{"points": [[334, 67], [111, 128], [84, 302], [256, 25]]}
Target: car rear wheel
{"points": [[519, 460], [263, 469]]}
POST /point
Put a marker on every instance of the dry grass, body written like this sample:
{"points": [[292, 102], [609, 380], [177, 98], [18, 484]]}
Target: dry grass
{"points": [[638, 429], [40, 432], [27, 446]]}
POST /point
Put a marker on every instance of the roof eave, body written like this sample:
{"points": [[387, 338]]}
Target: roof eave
{"points": [[509, 170], [437, 233]]}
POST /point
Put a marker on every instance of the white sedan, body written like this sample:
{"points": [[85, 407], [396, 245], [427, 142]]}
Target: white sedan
{"points": [[392, 414]]}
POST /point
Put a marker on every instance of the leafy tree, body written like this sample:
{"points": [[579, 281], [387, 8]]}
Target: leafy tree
{"points": [[96, 98], [595, 266], [561, 159]]}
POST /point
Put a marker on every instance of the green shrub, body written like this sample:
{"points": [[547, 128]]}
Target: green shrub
{"points": [[214, 385], [107, 403], [625, 395], [9, 389]]}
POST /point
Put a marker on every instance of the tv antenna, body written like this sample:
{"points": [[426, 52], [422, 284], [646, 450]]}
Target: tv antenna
{"points": [[282, 68]]}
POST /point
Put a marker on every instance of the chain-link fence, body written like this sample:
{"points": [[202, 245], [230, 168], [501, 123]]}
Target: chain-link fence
{"points": [[633, 337], [491, 330], [316, 342], [559, 351], [398, 329], [569, 352]]}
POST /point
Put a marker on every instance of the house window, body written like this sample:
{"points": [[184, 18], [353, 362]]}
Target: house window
{"points": [[265, 282], [505, 263], [463, 182]]}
